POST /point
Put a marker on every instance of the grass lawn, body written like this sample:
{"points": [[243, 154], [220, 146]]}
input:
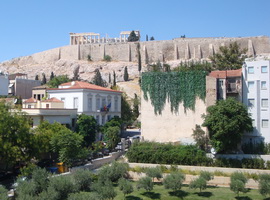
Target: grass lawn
{"points": [[215, 193]]}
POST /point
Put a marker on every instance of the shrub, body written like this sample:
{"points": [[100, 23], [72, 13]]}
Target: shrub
{"points": [[107, 58], [125, 186], [200, 183], [152, 152], [206, 175], [264, 184], [104, 189], [40, 178], [238, 182], [174, 181], [3, 193], [83, 179], [154, 172], [114, 172], [145, 183]]}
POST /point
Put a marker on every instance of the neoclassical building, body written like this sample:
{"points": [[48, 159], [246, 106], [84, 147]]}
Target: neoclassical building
{"points": [[102, 103]]}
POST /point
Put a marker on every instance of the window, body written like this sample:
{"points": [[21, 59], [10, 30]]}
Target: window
{"points": [[103, 120], [98, 103], [264, 69], [251, 103], [115, 104], [263, 85], [103, 102], [109, 118], [75, 102], [97, 118], [250, 84], [29, 106], [251, 70], [264, 103], [265, 123], [47, 105], [90, 101]]}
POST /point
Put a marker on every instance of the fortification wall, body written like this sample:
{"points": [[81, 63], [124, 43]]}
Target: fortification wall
{"points": [[175, 127]]}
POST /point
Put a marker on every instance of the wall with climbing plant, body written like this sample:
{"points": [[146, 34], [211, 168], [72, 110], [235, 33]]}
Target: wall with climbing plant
{"points": [[175, 87]]}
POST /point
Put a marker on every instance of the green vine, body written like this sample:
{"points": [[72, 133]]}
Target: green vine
{"points": [[176, 87]]}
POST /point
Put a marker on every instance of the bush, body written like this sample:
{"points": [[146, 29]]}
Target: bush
{"points": [[238, 182], [3, 193], [145, 183], [105, 189], [114, 172], [174, 181], [200, 183], [107, 58], [250, 163], [153, 152], [206, 175], [40, 178], [83, 179], [154, 172], [264, 184], [125, 186]]}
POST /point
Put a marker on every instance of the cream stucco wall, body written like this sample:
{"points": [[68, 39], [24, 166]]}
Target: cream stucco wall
{"points": [[174, 127]]}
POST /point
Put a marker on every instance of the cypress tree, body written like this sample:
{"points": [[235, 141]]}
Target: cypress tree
{"points": [[114, 79], [97, 80], [44, 80], [110, 79], [36, 78], [52, 76], [126, 74]]}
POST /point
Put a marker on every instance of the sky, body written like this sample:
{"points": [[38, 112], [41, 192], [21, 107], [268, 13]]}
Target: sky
{"points": [[32, 26]]}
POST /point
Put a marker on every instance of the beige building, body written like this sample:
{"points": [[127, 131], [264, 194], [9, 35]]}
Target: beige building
{"points": [[175, 127], [51, 110], [39, 92]]}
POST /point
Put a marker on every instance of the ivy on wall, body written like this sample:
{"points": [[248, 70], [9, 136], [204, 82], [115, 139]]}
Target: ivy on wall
{"points": [[176, 87]]}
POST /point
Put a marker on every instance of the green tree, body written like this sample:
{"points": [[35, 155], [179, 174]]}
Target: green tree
{"points": [[136, 103], [154, 172], [44, 80], [133, 37], [125, 186], [36, 77], [114, 79], [52, 76], [125, 74], [84, 196], [206, 175], [264, 184], [126, 111], [83, 179], [3, 193], [226, 122], [152, 38], [58, 80], [230, 57], [97, 79], [145, 183], [40, 178], [200, 183], [105, 189], [174, 181], [112, 137], [115, 121], [113, 172], [68, 145], [110, 79], [200, 138], [238, 182], [16, 144], [87, 127]]}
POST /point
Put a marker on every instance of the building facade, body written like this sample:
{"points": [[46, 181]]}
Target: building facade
{"points": [[256, 97], [3, 84], [89, 99]]}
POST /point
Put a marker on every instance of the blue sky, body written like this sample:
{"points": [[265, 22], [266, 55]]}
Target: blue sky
{"points": [[31, 26]]}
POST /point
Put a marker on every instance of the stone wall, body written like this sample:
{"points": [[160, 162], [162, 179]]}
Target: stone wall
{"points": [[175, 127]]}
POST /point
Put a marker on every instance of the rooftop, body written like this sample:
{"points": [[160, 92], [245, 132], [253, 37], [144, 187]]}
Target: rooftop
{"points": [[226, 73], [81, 85]]}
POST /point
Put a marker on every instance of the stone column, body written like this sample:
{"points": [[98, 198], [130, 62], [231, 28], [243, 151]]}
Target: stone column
{"points": [[94, 39]]}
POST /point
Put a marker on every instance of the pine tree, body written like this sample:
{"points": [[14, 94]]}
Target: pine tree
{"points": [[114, 79], [44, 80], [133, 37], [126, 74]]}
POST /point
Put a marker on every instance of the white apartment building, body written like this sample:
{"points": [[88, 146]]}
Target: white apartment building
{"points": [[3, 84], [102, 103], [256, 95]]}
